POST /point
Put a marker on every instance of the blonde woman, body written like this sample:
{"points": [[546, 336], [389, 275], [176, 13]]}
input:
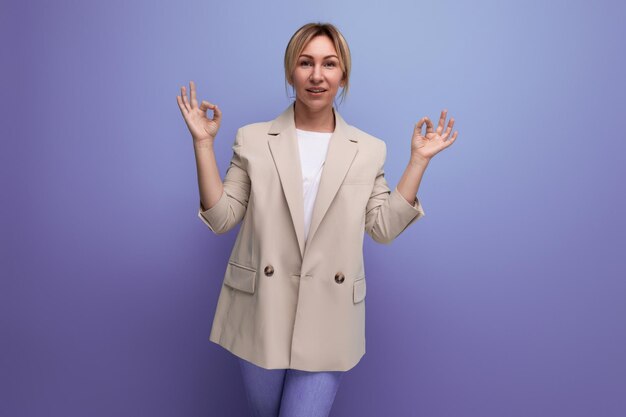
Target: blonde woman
{"points": [[306, 187]]}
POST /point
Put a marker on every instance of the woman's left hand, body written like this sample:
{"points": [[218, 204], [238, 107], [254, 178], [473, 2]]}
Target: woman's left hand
{"points": [[424, 147]]}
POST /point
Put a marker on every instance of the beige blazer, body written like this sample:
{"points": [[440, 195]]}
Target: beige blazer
{"points": [[286, 302]]}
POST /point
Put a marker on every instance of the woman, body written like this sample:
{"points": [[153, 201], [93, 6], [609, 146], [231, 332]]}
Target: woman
{"points": [[307, 185]]}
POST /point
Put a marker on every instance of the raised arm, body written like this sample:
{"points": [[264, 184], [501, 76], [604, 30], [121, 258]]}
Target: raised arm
{"points": [[222, 204], [388, 212], [232, 203]]}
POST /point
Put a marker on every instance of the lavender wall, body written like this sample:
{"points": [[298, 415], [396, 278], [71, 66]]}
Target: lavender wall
{"points": [[507, 299]]}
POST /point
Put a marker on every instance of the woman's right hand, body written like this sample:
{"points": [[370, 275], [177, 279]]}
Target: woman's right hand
{"points": [[200, 126]]}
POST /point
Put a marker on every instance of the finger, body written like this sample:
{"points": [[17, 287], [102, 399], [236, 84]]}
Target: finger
{"points": [[205, 105], [217, 114], [429, 125], [183, 94], [194, 100], [418, 127], [442, 121], [181, 106], [452, 139], [449, 129]]}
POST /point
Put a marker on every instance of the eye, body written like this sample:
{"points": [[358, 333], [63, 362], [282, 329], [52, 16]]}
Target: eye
{"points": [[303, 63], [332, 64]]}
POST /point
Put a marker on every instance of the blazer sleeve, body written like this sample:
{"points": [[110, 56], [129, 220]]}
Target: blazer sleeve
{"points": [[388, 213], [231, 207]]}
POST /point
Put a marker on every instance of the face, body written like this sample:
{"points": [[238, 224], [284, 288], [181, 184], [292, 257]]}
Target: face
{"points": [[317, 68]]}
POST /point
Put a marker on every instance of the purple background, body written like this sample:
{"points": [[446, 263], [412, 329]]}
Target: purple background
{"points": [[507, 299]]}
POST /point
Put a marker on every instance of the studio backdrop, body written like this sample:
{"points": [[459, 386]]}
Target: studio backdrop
{"points": [[505, 299]]}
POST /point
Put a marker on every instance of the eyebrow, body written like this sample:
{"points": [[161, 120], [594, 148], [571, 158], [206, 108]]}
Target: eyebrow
{"points": [[327, 56]]}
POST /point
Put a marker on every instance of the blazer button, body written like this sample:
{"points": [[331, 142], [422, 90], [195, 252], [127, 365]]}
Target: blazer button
{"points": [[339, 277], [269, 270]]}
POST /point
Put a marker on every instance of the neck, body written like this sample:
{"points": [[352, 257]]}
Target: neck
{"points": [[322, 120]]}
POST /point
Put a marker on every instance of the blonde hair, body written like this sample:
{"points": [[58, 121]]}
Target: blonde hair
{"points": [[301, 38]]}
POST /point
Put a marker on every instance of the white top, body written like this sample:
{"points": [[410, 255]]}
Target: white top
{"points": [[313, 148]]}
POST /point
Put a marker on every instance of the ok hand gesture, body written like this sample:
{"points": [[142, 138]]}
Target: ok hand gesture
{"points": [[424, 147], [201, 127]]}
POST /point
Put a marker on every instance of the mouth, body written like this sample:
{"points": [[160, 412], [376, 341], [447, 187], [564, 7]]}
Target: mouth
{"points": [[316, 91]]}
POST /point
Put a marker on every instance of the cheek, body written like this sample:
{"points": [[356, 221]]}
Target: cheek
{"points": [[297, 77], [302, 81], [337, 82]]}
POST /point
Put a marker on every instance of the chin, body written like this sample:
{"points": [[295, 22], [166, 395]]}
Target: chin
{"points": [[316, 104]]}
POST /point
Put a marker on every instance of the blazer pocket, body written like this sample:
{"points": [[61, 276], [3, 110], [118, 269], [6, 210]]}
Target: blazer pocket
{"points": [[359, 290], [240, 277]]}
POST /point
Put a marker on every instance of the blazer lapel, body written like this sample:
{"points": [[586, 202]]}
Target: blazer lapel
{"points": [[283, 144]]}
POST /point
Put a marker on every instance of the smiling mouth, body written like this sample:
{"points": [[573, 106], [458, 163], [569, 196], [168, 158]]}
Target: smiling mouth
{"points": [[315, 90]]}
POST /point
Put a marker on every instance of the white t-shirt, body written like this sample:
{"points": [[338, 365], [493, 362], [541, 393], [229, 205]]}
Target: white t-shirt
{"points": [[313, 148]]}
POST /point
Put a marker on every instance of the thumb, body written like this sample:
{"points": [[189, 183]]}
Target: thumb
{"points": [[217, 113], [205, 105]]}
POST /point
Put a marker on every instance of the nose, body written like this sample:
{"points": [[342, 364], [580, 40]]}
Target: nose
{"points": [[316, 74]]}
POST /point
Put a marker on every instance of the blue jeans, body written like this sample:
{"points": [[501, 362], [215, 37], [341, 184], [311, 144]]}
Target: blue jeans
{"points": [[289, 392]]}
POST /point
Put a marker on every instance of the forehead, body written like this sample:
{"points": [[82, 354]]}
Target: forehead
{"points": [[319, 47]]}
